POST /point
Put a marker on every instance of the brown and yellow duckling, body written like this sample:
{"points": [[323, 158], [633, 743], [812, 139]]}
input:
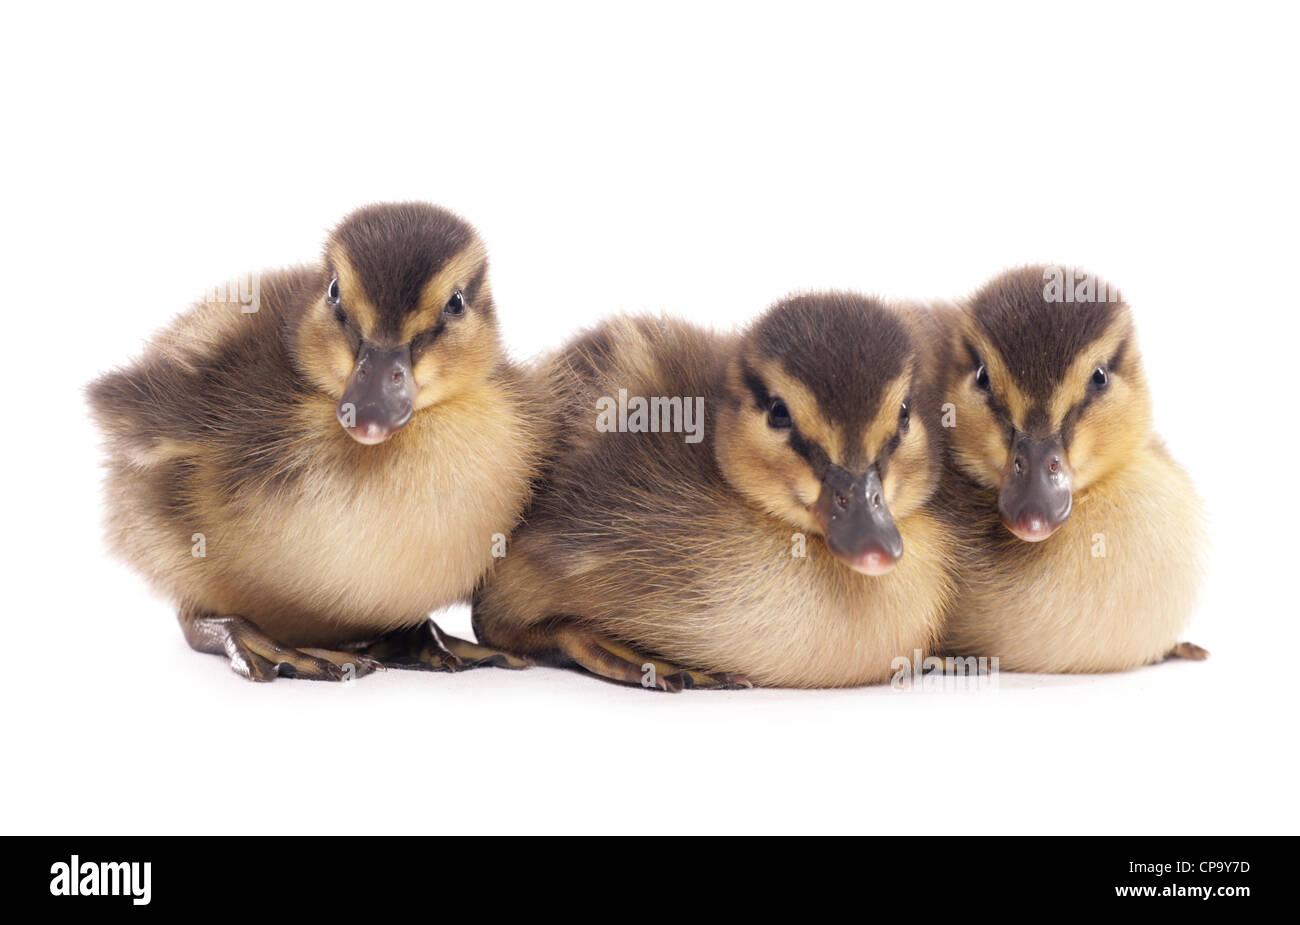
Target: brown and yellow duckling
{"points": [[325, 470], [750, 510], [1083, 539]]}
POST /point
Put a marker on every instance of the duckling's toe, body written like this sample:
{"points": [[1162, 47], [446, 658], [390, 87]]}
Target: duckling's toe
{"points": [[472, 655], [425, 647], [674, 678], [353, 664], [252, 667], [615, 661], [285, 662], [722, 681], [612, 661], [257, 657], [1190, 651]]}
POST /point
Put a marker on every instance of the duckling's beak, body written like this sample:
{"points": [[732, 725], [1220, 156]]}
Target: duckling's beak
{"points": [[1035, 497], [379, 396], [856, 521]]}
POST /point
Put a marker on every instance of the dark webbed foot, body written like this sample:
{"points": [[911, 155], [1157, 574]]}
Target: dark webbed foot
{"points": [[427, 648], [258, 657], [616, 662], [1188, 650]]}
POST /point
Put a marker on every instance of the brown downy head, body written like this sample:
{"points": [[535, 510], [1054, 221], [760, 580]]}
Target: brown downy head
{"points": [[825, 424], [1048, 391], [403, 320]]}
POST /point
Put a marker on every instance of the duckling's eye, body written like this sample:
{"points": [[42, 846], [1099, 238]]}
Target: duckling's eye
{"points": [[982, 378], [778, 415], [904, 418], [456, 304], [1099, 378], [332, 293]]}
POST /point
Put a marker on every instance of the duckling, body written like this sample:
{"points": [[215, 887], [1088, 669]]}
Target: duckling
{"points": [[1084, 540], [309, 479], [732, 518]]}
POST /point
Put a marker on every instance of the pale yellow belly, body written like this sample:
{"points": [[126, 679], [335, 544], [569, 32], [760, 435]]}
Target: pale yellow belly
{"points": [[1111, 590]]}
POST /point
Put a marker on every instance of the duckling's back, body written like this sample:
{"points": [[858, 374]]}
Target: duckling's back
{"points": [[218, 379], [200, 430]]}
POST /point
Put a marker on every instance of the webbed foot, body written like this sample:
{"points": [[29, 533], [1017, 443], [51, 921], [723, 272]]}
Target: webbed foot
{"points": [[427, 648], [257, 657], [617, 662]]}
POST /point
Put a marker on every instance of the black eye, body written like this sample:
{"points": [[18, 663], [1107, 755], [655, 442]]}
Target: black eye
{"points": [[904, 419], [456, 304], [1099, 378], [778, 415], [332, 293], [982, 378]]}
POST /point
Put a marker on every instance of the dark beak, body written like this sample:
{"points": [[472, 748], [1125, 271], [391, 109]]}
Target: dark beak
{"points": [[380, 394], [856, 522], [1035, 495]]}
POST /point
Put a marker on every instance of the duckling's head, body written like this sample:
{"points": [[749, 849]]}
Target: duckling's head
{"points": [[1048, 390], [819, 424], [403, 320]]}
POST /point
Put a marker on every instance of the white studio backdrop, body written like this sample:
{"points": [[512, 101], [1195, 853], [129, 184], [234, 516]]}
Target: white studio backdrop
{"points": [[701, 160]]}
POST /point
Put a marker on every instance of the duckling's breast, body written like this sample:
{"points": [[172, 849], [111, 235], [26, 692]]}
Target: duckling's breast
{"points": [[734, 590], [337, 542], [1112, 589]]}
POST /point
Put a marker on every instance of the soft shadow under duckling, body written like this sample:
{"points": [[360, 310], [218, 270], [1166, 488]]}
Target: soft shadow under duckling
{"points": [[330, 466]]}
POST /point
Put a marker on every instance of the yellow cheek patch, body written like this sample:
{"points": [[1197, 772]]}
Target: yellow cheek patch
{"points": [[885, 425], [465, 352], [353, 293], [805, 410], [455, 274], [1075, 384], [764, 469], [323, 352], [908, 477], [1110, 431], [427, 370], [976, 437], [1005, 389]]}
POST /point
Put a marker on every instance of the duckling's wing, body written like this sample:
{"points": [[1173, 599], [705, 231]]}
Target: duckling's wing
{"points": [[217, 378]]}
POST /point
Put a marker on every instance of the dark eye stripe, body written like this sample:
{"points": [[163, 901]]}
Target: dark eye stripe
{"points": [[1118, 358], [815, 456], [810, 450], [353, 333], [756, 386], [897, 440], [425, 339], [1000, 411], [470, 292]]}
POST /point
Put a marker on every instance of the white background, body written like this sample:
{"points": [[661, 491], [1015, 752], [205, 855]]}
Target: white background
{"points": [[702, 160]]}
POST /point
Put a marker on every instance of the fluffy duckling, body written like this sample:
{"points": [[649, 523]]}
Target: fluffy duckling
{"points": [[723, 510], [1084, 542], [323, 468]]}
